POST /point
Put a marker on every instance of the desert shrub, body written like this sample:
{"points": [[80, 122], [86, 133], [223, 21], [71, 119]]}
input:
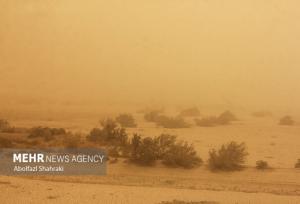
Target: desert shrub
{"points": [[229, 157], [46, 133], [297, 165], [211, 121], [164, 147], [144, 150], [4, 125], [190, 112], [109, 134], [152, 116], [126, 120], [171, 122], [5, 143], [165, 142], [261, 165], [207, 121], [188, 202], [181, 154], [226, 117], [286, 120], [261, 114]]}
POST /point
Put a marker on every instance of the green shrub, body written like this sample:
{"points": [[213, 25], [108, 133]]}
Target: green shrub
{"points": [[190, 112], [229, 157], [286, 120], [297, 165], [126, 120], [261, 165]]}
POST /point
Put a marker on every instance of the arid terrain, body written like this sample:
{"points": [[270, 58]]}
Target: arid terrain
{"points": [[130, 183]]}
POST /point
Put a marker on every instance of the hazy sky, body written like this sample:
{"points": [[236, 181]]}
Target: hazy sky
{"points": [[243, 53]]}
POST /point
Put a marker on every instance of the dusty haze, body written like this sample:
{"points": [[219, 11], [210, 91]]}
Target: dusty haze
{"points": [[173, 52]]}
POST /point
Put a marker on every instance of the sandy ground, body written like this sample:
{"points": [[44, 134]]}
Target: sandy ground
{"points": [[265, 139], [22, 190], [128, 183]]}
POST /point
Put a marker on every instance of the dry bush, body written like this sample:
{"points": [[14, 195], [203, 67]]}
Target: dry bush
{"points": [[126, 120], [4, 125], [262, 165], [286, 120], [164, 147], [144, 150], [229, 157], [46, 133], [190, 112], [171, 122], [110, 134], [182, 154], [165, 121], [297, 165], [224, 118]]}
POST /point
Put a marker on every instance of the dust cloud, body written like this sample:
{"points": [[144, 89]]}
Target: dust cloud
{"points": [[232, 54]]}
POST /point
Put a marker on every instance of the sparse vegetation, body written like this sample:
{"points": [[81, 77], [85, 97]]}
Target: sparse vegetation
{"points": [[190, 112], [286, 120], [164, 147], [46, 133], [109, 134], [229, 157], [171, 122], [126, 121], [4, 125], [152, 116], [297, 165], [144, 150], [181, 154], [262, 165], [224, 118], [165, 121]]}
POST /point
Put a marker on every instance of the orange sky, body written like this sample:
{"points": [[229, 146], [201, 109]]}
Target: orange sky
{"points": [[242, 53]]}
